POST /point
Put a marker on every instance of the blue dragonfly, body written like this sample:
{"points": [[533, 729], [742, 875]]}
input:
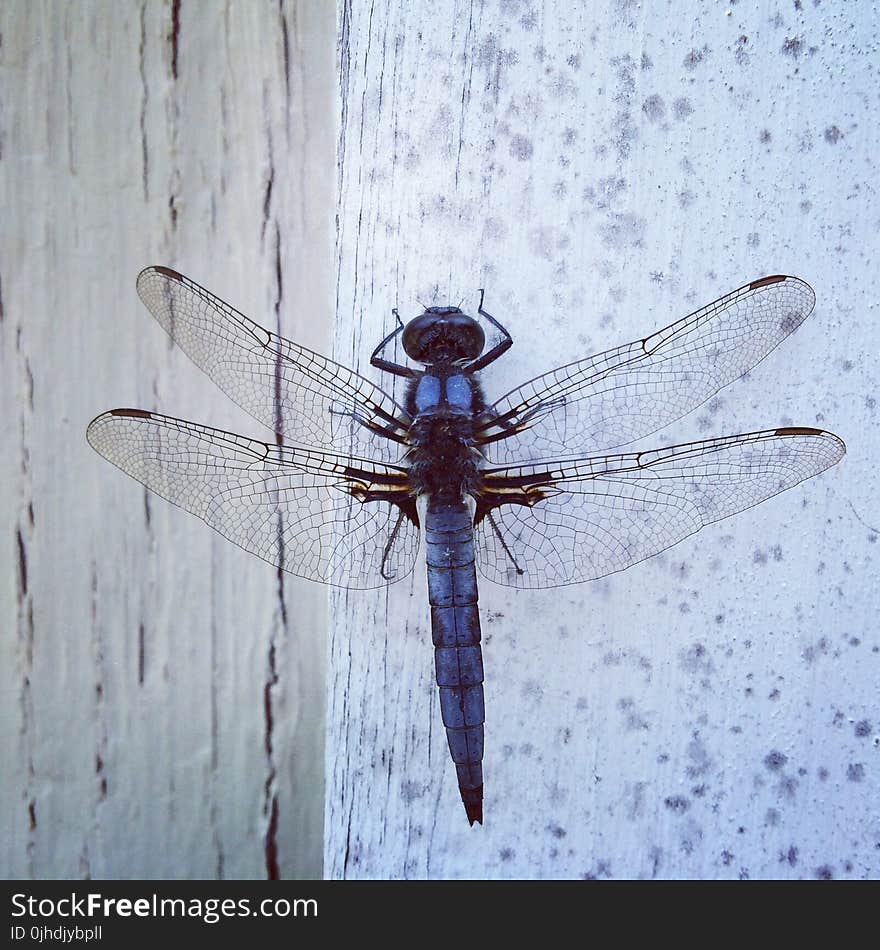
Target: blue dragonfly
{"points": [[522, 489]]}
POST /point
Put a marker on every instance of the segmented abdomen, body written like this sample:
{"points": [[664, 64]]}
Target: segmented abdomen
{"points": [[455, 622]]}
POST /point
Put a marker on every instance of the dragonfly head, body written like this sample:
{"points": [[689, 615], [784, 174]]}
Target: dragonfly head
{"points": [[442, 334]]}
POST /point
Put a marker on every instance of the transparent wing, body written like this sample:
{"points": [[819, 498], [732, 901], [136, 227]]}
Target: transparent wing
{"points": [[303, 396], [626, 393], [299, 510], [576, 520]]}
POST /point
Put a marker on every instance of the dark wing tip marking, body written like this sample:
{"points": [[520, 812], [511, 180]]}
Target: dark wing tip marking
{"points": [[765, 281], [164, 271], [132, 413], [799, 430]]}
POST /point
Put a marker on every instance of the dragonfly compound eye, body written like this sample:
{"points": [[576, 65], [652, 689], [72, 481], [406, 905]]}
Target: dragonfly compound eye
{"points": [[443, 333]]}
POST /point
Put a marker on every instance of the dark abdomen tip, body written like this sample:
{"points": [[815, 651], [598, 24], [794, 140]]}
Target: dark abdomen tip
{"points": [[473, 803]]}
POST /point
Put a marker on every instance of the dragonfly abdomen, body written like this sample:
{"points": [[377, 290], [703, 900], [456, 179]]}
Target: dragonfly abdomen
{"points": [[455, 621]]}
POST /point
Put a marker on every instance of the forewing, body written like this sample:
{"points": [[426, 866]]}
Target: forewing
{"points": [[305, 397], [292, 507], [601, 515], [629, 392]]}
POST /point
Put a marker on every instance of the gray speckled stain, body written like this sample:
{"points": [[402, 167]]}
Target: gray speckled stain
{"points": [[521, 148], [682, 108], [677, 804], [794, 46], [696, 659], [695, 57], [654, 108], [699, 760], [855, 772], [862, 729], [621, 231]]}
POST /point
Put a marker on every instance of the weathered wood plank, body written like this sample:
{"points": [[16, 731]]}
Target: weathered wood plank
{"points": [[602, 169], [162, 699]]}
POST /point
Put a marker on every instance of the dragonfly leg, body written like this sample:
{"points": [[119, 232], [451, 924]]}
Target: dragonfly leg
{"points": [[500, 349], [388, 366]]}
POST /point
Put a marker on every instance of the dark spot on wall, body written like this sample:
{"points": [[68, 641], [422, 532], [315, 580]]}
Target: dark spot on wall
{"points": [[695, 659], [621, 231], [654, 108], [574, 61], [685, 198], [862, 728], [771, 818], [824, 873], [602, 869], [791, 321], [557, 831], [765, 137], [753, 239], [788, 786], [833, 135], [410, 791], [775, 760], [727, 857], [793, 46], [521, 148], [677, 803], [699, 760], [606, 192], [741, 51], [695, 57], [855, 772], [682, 108], [823, 773], [32, 815], [507, 854], [789, 857]]}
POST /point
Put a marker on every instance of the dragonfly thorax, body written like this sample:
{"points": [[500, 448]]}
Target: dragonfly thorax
{"points": [[443, 335]]}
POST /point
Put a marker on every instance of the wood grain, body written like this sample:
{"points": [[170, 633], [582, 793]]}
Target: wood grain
{"points": [[162, 700]]}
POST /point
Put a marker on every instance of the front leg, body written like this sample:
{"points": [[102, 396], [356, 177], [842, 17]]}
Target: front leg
{"points": [[386, 365], [500, 349]]}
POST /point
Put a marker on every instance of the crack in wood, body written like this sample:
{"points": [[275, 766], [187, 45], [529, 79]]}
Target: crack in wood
{"points": [[145, 97], [174, 36]]}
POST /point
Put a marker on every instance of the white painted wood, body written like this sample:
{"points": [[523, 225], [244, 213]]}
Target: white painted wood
{"points": [[162, 693], [602, 169]]}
